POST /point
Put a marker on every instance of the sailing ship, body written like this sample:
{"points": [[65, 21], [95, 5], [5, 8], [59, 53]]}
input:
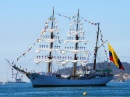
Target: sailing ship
{"points": [[16, 76], [85, 76]]}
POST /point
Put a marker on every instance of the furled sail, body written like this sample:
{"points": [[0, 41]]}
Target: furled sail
{"points": [[38, 50], [61, 62], [74, 61], [75, 32], [52, 30], [48, 60], [73, 41], [74, 51], [50, 40], [49, 50], [37, 61]]}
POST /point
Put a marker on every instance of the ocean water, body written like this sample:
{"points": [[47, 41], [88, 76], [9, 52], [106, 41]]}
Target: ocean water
{"points": [[113, 89]]}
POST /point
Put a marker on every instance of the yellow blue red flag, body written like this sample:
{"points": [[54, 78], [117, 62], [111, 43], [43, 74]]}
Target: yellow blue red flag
{"points": [[114, 58]]}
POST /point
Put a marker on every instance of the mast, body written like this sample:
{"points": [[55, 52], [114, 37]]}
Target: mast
{"points": [[16, 76], [51, 44], [96, 49], [76, 46]]}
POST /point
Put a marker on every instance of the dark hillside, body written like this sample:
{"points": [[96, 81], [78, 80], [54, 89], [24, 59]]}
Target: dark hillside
{"points": [[113, 67]]}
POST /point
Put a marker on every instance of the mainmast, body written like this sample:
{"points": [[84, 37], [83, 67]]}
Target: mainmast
{"points": [[51, 44], [96, 49], [76, 45]]}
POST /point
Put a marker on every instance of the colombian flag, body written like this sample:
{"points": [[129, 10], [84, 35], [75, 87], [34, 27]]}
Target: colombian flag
{"points": [[114, 58]]}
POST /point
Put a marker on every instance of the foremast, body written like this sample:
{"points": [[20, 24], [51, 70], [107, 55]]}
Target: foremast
{"points": [[96, 49], [47, 48]]}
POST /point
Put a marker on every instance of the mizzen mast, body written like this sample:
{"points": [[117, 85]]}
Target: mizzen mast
{"points": [[96, 48]]}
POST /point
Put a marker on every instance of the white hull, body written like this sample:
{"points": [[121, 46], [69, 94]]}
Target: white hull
{"points": [[52, 81]]}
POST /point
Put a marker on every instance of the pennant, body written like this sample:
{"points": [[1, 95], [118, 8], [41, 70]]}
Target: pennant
{"points": [[114, 58], [38, 40], [59, 14], [24, 54]]}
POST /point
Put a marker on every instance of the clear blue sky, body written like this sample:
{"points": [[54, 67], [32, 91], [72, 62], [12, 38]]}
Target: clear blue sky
{"points": [[21, 20]]}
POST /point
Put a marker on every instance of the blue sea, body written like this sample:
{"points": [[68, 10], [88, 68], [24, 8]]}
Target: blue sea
{"points": [[113, 89]]}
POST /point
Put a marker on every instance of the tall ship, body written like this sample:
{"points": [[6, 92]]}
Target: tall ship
{"points": [[73, 51], [17, 78]]}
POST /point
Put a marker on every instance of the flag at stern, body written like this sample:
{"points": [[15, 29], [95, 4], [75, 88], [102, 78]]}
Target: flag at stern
{"points": [[114, 58]]}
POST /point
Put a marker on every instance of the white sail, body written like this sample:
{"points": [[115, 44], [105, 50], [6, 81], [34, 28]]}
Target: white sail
{"points": [[52, 30], [49, 50], [50, 40], [75, 41], [37, 61], [38, 50], [48, 60], [74, 32], [74, 61], [61, 62], [74, 51]]}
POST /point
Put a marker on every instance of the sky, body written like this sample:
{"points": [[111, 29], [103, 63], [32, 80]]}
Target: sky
{"points": [[21, 22]]}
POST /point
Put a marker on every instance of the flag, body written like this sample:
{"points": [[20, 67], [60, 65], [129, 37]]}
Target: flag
{"points": [[114, 58]]}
